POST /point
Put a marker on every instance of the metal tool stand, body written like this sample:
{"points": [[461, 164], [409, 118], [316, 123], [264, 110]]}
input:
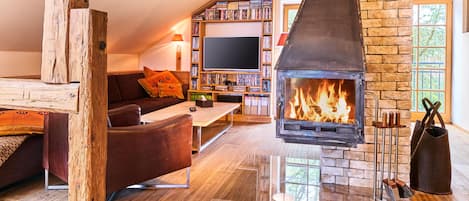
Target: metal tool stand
{"points": [[378, 184], [375, 152]]}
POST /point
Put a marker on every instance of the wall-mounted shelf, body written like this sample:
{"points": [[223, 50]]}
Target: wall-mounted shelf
{"points": [[259, 83]]}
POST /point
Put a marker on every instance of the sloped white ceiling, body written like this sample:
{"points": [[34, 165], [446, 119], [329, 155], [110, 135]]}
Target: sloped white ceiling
{"points": [[133, 25]]}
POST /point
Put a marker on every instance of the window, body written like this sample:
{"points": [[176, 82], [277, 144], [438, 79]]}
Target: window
{"points": [[302, 178], [431, 65], [289, 14]]}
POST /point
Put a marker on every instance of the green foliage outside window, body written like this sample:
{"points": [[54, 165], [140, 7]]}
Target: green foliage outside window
{"points": [[429, 55]]}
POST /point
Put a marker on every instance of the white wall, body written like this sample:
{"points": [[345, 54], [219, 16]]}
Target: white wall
{"points": [[122, 62], [460, 110], [29, 63], [162, 55], [19, 63]]}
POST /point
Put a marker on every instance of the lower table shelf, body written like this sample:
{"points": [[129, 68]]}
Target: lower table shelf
{"points": [[252, 118]]}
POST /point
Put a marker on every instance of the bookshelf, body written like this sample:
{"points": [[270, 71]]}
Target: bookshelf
{"points": [[252, 89]]}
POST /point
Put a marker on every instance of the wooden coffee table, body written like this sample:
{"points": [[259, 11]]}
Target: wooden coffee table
{"points": [[202, 118]]}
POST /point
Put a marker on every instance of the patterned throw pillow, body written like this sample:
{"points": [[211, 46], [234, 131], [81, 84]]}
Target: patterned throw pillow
{"points": [[150, 84], [14, 122], [148, 72], [151, 89], [164, 77], [170, 90]]}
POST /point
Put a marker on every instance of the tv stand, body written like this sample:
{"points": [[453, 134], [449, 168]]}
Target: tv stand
{"points": [[254, 88]]}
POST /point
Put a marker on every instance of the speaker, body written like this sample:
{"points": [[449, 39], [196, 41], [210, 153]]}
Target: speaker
{"points": [[230, 98]]}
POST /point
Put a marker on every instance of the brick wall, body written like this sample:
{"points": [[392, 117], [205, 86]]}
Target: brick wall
{"points": [[387, 29]]}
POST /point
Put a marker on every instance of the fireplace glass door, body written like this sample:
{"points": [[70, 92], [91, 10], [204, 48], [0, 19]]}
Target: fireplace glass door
{"points": [[320, 100]]}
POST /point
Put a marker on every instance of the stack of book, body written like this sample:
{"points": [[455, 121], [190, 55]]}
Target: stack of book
{"points": [[267, 56], [256, 9], [195, 57], [206, 88], [267, 9], [221, 88], [266, 85], [248, 80], [267, 28], [239, 10], [194, 84], [194, 70], [256, 105], [244, 9], [239, 88], [195, 28], [267, 71], [195, 43], [267, 42]]}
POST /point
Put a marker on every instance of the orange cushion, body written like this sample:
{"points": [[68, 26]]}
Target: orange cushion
{"points": [[150, 88], [13, 122], [150, 84], [164, 77], [170, 90], [148, 72]]}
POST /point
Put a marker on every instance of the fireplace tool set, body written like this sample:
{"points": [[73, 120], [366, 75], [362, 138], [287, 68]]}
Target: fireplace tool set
{"points": [[394, 188]]}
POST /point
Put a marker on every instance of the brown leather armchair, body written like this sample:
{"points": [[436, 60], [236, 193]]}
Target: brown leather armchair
{"points": [[136, 153]]}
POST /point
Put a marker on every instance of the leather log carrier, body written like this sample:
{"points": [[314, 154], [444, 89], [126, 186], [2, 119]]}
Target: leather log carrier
{"points": [[430, 161]]}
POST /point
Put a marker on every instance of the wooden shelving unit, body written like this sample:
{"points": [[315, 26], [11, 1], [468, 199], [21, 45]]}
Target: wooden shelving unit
{"points": [[256, 97]]}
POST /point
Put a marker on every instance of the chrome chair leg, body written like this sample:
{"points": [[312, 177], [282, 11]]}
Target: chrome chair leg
{"points": [[52, 187], [164, 186]]}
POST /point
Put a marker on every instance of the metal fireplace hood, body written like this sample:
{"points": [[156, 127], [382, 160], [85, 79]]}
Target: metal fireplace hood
{"points": [[326, 35], [325, 42]]}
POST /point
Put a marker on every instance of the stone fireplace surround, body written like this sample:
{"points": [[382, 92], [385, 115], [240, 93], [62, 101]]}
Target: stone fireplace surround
{"points": [[387, 30]]}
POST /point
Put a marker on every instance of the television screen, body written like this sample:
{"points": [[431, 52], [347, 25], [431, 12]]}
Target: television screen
{"points": [[232, 53]]}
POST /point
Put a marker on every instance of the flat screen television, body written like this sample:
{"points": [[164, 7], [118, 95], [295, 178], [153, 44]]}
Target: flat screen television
{"points": [[231, 53]]}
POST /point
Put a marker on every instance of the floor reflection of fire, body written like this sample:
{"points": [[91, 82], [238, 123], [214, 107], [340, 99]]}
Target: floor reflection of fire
{"points": [[321, 100]]}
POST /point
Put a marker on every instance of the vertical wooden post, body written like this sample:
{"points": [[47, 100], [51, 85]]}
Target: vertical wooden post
{"points": [[55, 39], [178, 58], [88, 130]]}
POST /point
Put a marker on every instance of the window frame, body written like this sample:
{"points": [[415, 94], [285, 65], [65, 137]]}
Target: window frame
{"points": [[286, 8], [449, 58]]}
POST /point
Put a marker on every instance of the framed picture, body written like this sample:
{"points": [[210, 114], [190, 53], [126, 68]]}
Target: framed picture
{"points": [[465, 26], [289, 14]]}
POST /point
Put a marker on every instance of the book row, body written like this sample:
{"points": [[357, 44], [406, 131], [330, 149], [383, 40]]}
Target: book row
{"points": [[238, 10], [231, 79], [256, 105]]}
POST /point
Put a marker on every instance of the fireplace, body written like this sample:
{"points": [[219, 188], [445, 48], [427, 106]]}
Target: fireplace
{"points": [[320, 76], [323, 108]]}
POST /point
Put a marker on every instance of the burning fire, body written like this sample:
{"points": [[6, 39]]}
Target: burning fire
{"points": [[328, 105]]}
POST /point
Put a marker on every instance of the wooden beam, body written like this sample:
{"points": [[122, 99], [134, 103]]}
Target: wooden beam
{"points": [[55, 39], [88, 128], [205, 6], [37, 95]]}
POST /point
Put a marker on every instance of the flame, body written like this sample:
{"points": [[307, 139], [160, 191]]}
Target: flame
{"points": [[328, 105]]}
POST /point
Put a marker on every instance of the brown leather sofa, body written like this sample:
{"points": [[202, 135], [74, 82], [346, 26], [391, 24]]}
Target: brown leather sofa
{"points": [[136, 153], [25, 162], [123, 89]]}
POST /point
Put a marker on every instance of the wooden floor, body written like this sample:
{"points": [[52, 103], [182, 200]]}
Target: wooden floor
{"points": [[234, 168]]}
